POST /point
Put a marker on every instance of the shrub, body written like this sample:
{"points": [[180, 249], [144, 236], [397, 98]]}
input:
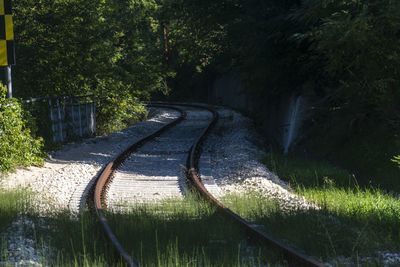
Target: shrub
{"points": [[17, 146]]}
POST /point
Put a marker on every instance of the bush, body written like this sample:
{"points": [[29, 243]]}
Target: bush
{"points": [[116, 110], [114, 114], [17, 146]]}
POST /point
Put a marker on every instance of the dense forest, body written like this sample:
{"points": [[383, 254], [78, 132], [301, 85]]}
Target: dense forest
{"points": [[343, 55]]}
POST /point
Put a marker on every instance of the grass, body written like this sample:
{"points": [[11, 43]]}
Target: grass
{"points": [[173, 233], [187, 233], [12, 203], [366, 150], [353, 222], [327, 233]]}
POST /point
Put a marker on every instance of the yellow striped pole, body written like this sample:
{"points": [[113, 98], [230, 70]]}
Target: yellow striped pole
{"points": [[7, 50]]}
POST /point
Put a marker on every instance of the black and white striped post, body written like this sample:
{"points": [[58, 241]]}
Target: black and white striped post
{"points": [[7, 49]]}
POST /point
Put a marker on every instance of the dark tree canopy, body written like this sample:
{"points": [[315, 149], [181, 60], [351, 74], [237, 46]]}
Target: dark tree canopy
{"points": [[344, 55]]}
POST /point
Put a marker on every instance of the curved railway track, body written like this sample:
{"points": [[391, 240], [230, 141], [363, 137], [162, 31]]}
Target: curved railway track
{"points": [[293, 257]]}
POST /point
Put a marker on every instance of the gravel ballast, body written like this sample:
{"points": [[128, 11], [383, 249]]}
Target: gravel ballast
{"points": [[63, 183], [234, 150], [156, 171]]}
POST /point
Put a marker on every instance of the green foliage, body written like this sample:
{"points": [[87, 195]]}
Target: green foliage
{"points": [[17, 146], [37, 120], [354, 44], [209, 38], [342, 55], [108, 48], [114, 112], [396, 159]]}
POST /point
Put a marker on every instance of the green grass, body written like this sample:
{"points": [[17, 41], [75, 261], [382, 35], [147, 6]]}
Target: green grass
{"points": [[75, 241], [78, 241], [335, 230], [172, 233], [12, 203], [353, 221], [366, 150], [187, 233], [301, 172]]}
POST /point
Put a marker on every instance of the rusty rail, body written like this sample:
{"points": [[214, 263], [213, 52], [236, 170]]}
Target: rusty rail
{"points": [[106, 175], [294, 258]]}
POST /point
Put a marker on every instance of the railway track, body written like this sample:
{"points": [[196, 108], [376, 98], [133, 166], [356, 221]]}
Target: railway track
{"points": [[192, 132]]}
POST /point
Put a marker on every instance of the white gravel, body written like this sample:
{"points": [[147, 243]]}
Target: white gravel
{"points": [[55, 189], [380, 258], [22, 249], [156, 171], [63, 181], [234, 150]]}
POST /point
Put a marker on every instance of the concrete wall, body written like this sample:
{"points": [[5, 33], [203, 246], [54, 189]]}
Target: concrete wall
{"points": [[228, 91], [271, 114]]}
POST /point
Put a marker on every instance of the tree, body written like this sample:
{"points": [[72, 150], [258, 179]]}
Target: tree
{"points": [[356, 46], [108, 48]]}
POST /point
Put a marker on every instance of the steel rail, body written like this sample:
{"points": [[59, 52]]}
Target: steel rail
{"points": [[106, 175], [294, 258]]}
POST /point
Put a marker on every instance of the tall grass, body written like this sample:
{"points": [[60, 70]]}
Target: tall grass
{"points": [[367, 151], [184, 232], [78, 241], [326, 233], [352, 222], [12, 203], [187, 233]]}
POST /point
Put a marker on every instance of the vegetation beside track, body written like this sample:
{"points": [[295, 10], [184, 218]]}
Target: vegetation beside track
{"points": [[12, 203], [369, 153], [342, 55], [354, 223], [184, 232], [18, 146]]}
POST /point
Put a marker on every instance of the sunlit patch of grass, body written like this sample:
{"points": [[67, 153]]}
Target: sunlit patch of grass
{"points": [[367, 205], [352, 221], [251, 205]]}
